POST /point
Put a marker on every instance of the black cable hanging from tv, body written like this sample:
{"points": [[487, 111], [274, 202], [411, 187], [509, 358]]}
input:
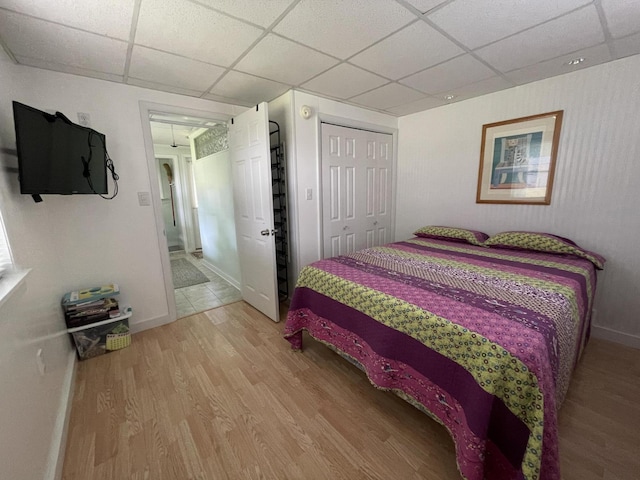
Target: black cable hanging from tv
{"points": [[86, 164]]}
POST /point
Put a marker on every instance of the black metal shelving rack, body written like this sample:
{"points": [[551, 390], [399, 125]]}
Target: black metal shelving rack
{"points": [[279, 187]]}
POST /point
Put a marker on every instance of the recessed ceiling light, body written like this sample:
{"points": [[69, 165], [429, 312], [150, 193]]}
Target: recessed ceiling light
{"points": [[449, 97], [575, 61]]}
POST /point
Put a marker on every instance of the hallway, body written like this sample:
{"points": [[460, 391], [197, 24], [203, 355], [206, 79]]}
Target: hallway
{"points": [[204, 296]]}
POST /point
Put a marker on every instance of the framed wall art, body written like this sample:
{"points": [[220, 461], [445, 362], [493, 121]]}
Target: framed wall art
{"points": [[518, 159]]}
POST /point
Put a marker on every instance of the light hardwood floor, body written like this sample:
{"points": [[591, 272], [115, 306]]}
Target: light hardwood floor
{"points": [[219, 395]]}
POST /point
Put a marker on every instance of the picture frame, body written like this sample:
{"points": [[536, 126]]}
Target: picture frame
{"points": [[518, 159]]}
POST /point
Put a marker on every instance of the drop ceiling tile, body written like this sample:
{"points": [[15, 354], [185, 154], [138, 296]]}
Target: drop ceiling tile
{"points": [[425, 5], [194, 31], [479, 22], [417, 106], [249, 88], [37, 39], [114, 19], [164, 88], [152, 65], [623, 16], [413, 48], [232, 101], [162, 134], [344, 81], [342, 27], [388, 96], [627, 46], [284, 61], [261, 13], [83, 72], [489, 85], [559, 66], [455, 73], [576, 31]]}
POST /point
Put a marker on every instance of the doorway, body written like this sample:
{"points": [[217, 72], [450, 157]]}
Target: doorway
{"points": [[190, 195], [250, 142]]}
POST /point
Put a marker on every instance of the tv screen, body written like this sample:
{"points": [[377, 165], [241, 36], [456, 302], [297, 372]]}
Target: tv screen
{"points": [[56, 156]]}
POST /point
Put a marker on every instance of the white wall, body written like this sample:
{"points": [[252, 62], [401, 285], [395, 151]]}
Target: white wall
{"points": [[305, 153], [33, 407], [71, 242], [214, 187], [595, 194]]}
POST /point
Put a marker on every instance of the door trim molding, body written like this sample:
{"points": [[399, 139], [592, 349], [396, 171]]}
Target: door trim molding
{"points": [[177, 205], [145, 109]]}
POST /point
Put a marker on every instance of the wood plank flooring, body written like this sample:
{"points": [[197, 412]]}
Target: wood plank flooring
{"points": [[220, 395]]}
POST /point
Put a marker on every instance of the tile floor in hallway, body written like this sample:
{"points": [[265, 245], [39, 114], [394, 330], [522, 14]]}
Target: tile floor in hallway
{"points": [[204, 296]]}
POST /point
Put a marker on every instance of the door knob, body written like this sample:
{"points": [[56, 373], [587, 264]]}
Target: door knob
{"points": [[264, 233]]}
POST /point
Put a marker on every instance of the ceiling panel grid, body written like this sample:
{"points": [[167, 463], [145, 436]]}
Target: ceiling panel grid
{"points": [[392, 56]]}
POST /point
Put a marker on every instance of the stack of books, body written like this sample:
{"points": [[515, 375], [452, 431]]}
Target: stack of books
{"points": [[91, 305]]}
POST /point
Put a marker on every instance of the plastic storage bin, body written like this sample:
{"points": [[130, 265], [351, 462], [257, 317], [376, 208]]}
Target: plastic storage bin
{"points": [[102, 337]]}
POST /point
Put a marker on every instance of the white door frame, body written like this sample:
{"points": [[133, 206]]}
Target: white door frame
{"points": [[147, 108], [176, 193], [187, 198], [350, 123], [183, 190]]}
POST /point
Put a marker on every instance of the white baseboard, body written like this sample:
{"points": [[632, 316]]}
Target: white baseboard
{"points": [[605, 333], [229, 279], [61, 428], [150, 323]]}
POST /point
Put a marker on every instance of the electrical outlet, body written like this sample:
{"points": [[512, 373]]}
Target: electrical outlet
{"points": [[84, 119], [309, 193]]}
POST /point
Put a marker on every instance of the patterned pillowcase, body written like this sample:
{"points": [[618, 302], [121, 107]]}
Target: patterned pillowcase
{"points": [[543, 242], [452, 233]]}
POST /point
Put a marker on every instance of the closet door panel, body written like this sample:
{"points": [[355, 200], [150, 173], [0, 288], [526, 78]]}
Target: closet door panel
{"points": [[357, 173]]}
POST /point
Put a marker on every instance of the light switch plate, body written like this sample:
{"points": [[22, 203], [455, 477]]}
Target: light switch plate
{"points": [[144, 199]]}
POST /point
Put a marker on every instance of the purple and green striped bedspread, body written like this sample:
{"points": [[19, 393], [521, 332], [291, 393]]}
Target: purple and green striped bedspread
{"points": [[483, 339]]}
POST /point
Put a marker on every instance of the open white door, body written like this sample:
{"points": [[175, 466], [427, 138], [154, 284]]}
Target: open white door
{"points": [[253, 203]]}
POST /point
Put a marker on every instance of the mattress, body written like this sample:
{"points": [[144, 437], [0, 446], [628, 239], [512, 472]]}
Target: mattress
{"points": [[484, 340]]}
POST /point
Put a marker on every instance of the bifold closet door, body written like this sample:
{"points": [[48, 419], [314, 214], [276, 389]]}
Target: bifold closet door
{"points": [[356, 189]]}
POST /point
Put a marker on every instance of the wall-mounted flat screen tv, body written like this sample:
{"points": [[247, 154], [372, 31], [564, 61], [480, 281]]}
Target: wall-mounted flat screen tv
{"points": [[56, 156]]}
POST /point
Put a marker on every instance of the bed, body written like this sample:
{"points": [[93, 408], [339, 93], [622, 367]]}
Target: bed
{"points": [[482, 339]]}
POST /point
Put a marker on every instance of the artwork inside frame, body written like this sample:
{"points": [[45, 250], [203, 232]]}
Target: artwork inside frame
{"points": [[518, 158]]}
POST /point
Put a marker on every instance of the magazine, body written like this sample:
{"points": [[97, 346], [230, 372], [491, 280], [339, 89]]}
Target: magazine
{"points": [[90, 294]]}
